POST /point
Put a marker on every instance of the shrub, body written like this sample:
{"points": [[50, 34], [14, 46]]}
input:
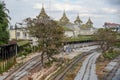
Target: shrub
{"points": [[111, 55]]}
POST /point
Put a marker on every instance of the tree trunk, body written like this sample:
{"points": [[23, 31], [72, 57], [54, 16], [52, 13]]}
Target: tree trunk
{"points": [[42, 58]]}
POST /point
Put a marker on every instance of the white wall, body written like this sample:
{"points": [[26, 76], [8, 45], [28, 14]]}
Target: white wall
{"points": [[69, 33]]}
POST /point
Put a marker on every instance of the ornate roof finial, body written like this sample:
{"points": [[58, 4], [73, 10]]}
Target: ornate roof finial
{"points": [[43, 13], [64, 14], [89, 21], [77, 20], [64, 18]]}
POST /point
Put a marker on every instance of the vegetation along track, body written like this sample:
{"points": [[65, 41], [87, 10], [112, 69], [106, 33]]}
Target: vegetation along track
{"points": [[69, 66], [24, 69]]}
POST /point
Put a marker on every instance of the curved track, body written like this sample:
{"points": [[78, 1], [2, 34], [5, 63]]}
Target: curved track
{"points": [[68, 67], [114, 74], [87, 71], [24, 70]]}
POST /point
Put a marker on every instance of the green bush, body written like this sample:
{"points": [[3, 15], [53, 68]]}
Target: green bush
{"points": [[1, 43], [28, 49], [111, 55], [24, 49]]}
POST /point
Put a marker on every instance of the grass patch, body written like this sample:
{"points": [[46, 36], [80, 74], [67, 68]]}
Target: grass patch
{"points": [[111, 55]]}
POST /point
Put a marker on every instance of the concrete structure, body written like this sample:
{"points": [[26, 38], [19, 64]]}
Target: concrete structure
{"points": [[19, 33], [87, 31], [69, 33]]}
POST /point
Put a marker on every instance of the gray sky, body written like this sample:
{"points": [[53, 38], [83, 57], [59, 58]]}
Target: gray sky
{"points": [[99, 11]]}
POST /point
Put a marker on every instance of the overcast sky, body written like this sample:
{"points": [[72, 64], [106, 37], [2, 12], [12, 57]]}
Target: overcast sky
{"points": [[99, 11]]}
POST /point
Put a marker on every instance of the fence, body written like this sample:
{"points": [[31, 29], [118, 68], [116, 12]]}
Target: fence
{"points": [[7, 56]]}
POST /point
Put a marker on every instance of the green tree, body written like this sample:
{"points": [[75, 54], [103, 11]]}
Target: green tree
{"points": [[107, 39], [49, 34], [4, 20]]}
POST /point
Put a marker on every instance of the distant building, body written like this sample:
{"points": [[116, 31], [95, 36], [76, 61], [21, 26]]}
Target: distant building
{"points": [[22, 32], [64, 20], [89, 23], [113, 26], [78, 21], [78, 28], [43, 14], [69, 33], [87, 29], [71, 29]]}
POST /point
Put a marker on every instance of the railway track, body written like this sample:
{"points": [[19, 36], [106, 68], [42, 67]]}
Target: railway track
{"points": [[68, 67], [87, 71], [24, 69], [88, 68], [112, 73]]}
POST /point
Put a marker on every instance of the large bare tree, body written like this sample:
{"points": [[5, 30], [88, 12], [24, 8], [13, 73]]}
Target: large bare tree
{"points": [[49, 34]]}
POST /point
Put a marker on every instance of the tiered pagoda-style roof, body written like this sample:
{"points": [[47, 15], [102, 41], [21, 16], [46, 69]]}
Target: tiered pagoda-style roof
{"points": [[88, 25], [89, 22], [43, 14], [77, 20], [64, 18]]}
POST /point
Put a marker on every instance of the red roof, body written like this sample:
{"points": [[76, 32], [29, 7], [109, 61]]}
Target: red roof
{"points": [[106, 24]]}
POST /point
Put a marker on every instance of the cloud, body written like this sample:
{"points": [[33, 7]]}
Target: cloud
{"points": [[68, 7], [21, 0], [37, 6], [110, 10], [91, 15], [60, 7], [96, 9]]}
